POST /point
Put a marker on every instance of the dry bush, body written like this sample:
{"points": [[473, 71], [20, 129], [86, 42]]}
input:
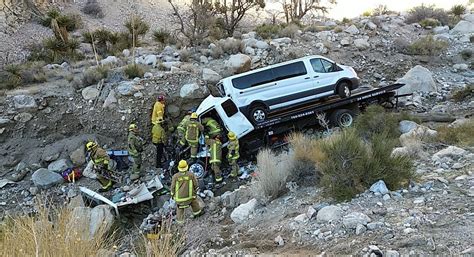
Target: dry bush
{"points": [[50, 232], [70, 22], [230, 45], [422, 12], [10, 77], [94, 75], [273, 172], [427, 46], [289, 31], [170, 242], [462, 135], [15, 75], [267, 31], [375, 120], [367, 13], [134, 71], [429, 22], [306, 148], [184, 55], [162, 36], [136, 27], [217, 52], [92, 8], [466, 93]]}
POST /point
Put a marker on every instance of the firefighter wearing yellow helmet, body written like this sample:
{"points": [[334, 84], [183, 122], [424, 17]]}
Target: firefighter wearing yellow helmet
{"points": [[233, 153], [135, 149], [193, 131], [103, 165], [184, 188]]}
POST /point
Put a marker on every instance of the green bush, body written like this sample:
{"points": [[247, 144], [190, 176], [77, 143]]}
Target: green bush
{"points": [[352, 165], [419, 13], [10, 77], [15, 75], [69, 21], [458, 10], [54, 50], [136, 27], [92, 8], [346, 20], [375, 120], [94, 75], [103, 39], [463, 94], [289, 31], [429, 22], [381, 10], [462, 135], [134, 71], [267, 31], [427, 46], [162, 36], [367, 14]]}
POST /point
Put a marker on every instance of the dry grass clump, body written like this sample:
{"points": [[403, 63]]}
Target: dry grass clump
{"points": [[92, 8], [94, 75], [134, 71], [289, 31], [230, 45], [427, 46], [422, 12], [267, 31], [273, 172], [170, 242], [306, 148], [51, 232], [462, 135], [15, 75], [463, 94]]}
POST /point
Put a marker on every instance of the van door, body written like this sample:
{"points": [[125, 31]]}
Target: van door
{"points": [[254, 86], [324, 77], [233, 119]]}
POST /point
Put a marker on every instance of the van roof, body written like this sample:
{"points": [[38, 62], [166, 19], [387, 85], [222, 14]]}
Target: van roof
{"points": [[273, 65]]}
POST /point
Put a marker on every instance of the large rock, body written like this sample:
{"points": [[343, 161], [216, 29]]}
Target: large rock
{"points": [[262, 45], [78, 156], [418, 134], [452, 152], [109, 60], [406, 126], [441, 29], [362, 43], [24, 102], [355, 218], [239, 63], [353, 30], [44, 178], [87, 222], [23, 117], [59, 165], [90, 93], [468, 17], [210, 76], [463, 27], [193, 91], [4, 122], [282, 40], [173, 110], [418, 79], [379, 187], [101, 219], [243, 211], [346, 41], [329, 213], [151, 59], [126, 88], [110, 100], [250, 42]]}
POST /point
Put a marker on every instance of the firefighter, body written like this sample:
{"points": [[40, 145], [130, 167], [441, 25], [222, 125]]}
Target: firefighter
{"points": [[183, 190], [158, 110], [233, 153], [193, 131], [103, 164], [182, 127], [216, 155], [158, 137], [135, 149], [212, 127]]}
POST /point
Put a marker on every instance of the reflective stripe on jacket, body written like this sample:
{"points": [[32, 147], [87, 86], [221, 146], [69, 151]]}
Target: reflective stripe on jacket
{"points": [[100, 157], [212, 125], [233, 148], [184, 187], [135, 144], [158, 134], [216, 151], [193, 128], [158, 112], [182, 125]]}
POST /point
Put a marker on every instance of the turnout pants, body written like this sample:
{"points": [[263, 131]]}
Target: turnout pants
{"points": [[234, 168], [137, 164], [181, 208], [217, 171]]}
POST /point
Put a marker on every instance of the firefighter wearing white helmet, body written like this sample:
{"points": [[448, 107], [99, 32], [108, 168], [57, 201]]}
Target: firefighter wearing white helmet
{"points": [[184, 188], [233, 153], [135, 149]]}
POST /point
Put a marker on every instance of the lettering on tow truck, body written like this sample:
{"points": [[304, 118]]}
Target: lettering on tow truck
{"points": [[370, 95], [302, 114]]}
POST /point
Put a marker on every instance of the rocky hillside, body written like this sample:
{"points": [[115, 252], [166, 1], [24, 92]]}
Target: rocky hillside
{"points": [[44, 125]]}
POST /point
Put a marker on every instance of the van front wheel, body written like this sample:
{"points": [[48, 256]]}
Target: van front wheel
{"points": [[258, 114], [344, 89]]}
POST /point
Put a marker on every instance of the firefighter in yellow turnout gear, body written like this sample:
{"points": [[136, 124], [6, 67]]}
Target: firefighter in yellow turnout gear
{"points": [[184, 187], [216, 155], [182, 128], [102, 163], [233, 153], [158, 110], [193, 131], [158, 137], [212, 127], [135, 149]]}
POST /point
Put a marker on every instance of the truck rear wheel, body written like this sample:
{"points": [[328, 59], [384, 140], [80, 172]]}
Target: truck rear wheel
{"points": [[198, 168], [258, 113], [342, 118], [344, 89]]}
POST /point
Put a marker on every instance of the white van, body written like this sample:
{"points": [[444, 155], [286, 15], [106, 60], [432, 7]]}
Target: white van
{"points": [[287, 84]]}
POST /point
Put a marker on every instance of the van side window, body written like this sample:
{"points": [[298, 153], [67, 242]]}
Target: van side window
{"points": [[317, 65], [253, 80], [229, 107], [289, 71], [328, 66]]}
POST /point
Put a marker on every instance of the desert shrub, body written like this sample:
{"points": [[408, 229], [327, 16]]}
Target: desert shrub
{"points": [[237, 35], [230, 45], [381, 10], [466, 54], [134, 71], [170, 243], [429, 22], [217, 52], [162, 36], [463, 94], [272, 174], [102, 39], [10, 77], [458, 10], [375, 120], [92, 8], [32, 72], [427, 46], [316, 28], [462, 135], [289, 31], [306, 148], [346, 20], [352, 165], [57, 51], [136, 27], [266, 31], [94, 75], [184, 55], [40, 235], [338, 29], [69, 21], [367, 13], [419, 13]]}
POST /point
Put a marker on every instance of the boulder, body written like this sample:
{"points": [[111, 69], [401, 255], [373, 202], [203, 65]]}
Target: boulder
{"points": [[44, 178], [461, 66], [148, 75], [346, 41], [468, 17], [418, 134], [261, 45], [362, 43], [452, 152], [4, 122], [173, 110], [329, 213], [90, 93], [126, 88], [282, 40], [239, 63], [392, 253], [243, 211], [24, 102], [406, 126], [301, 218], [441, 29], [110, 100], [109, 60], [418, 79], [126, 52], [353, 30], [193, 91], [78, 156], [89, 171], [101, 219], [355, 218], [249, 50], [59, 165], [210, 76], [23, 117], [169, 65], [371, 25], [250, 42], [379, 187], [151, 59], [203, 59], [463, 27], [88, 222], [401, 151]]}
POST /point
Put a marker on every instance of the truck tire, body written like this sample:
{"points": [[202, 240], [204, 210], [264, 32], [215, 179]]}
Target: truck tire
{"points": [[342, 118], [344, 89], [258, 113], [198, 169]]}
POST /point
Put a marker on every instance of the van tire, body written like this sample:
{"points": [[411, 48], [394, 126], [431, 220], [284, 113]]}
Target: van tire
{"points": [[344, 89], [342, 118], [258, 113]]}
